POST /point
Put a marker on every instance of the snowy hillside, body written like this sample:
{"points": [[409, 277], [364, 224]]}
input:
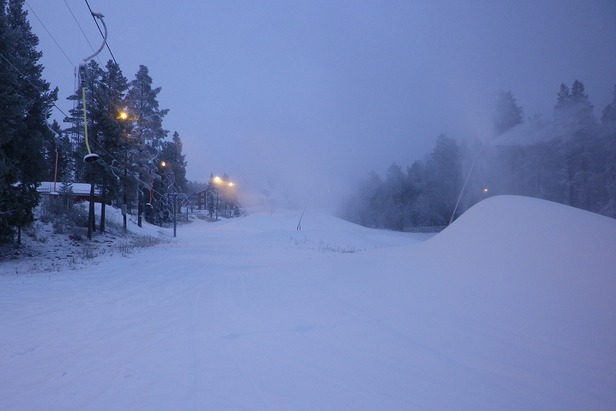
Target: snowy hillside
{"points": [[511, 307]]}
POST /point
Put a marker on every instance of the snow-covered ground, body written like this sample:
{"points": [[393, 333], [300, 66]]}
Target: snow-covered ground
{"points": [[511, 307]]}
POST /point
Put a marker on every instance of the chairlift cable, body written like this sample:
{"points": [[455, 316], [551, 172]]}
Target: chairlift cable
{"points": [[50, 35], [99, 29], [29, 81]]}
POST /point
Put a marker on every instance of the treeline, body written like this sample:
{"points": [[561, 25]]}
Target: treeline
{"points": [[138, 165], [570, 158]]}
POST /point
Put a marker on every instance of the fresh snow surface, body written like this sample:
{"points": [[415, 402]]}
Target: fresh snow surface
{"points": [[512, 307]]}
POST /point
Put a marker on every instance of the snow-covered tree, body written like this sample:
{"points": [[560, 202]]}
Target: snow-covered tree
{"points": [[507, 113], [26, 100]]}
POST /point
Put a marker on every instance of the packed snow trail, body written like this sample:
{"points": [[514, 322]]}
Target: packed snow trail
{"points": [[511, 307]]}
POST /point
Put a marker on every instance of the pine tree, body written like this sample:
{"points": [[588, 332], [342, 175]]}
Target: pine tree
{"points": [[573, 110], [172, 154], [394, 193], [12, 108], [507, 113], [579, 146], [26, 102], [445, 179], [58, 147], [608, 122], [142, 103], [111, 133], [93, 76], [608, 116], [418, 209]]}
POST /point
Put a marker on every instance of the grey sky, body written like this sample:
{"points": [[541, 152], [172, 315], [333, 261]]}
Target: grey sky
{"points": [[311, 93]]}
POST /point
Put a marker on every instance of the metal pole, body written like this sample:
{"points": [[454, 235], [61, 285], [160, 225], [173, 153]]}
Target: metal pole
{"points": [[125, 196], [468, 176], [175, 201], [55, 173]]}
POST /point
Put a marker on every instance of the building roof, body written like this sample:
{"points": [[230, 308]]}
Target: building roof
{"points": [[79, 189]]}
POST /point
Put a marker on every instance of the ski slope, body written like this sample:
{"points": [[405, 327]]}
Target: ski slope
{"points": [[511, 307]]}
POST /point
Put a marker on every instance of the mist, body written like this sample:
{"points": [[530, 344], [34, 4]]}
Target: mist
{"points": [[304, 99]]}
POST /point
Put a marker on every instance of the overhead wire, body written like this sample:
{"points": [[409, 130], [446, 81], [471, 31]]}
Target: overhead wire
{"points": [[50, 35], [30, 81], [101, 31], [79, 25]]}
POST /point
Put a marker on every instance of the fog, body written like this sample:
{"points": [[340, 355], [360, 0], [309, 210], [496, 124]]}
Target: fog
{"points": [[302, 99]]}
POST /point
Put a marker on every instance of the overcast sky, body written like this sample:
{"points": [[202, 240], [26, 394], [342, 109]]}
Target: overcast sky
{"points": [[308, 94]]}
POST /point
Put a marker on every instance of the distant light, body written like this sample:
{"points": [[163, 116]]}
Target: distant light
{"points": [[485, 189], [163, 163], [217, 180], [231, 184], [123, 115]]}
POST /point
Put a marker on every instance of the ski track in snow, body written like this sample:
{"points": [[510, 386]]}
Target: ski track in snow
{"points": [[251, 314]]}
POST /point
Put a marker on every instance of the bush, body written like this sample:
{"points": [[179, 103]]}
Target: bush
{"points": [[62, 212]]}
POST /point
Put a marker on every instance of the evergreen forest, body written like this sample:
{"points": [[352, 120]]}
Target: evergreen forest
{"points": [[569, 158]]}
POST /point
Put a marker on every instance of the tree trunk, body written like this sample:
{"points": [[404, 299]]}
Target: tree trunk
{"points": [[91, 212], [139, 205], [104, 195], [102, 224]]}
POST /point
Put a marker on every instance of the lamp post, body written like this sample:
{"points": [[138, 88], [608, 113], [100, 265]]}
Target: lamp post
{"points": [[219, 184], [123, 116]]}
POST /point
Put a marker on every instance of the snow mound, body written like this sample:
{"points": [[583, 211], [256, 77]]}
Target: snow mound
{"points": [[515, 301], [536, 237]]}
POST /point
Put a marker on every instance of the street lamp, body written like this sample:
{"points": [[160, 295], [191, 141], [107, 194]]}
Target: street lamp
{"points": [[219, 184], [123, 116]]}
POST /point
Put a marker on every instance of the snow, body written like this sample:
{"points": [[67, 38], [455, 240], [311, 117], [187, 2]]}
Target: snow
{"points": [[510, 307]]}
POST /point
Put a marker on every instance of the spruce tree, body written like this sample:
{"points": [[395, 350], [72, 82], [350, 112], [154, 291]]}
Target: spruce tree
{"points": [[12, 108], [573, 111], [445, 179], [26, 102], [507, 113], [172, 155], [142, 103], [110, 131], [608, 116]]}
